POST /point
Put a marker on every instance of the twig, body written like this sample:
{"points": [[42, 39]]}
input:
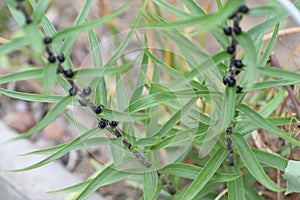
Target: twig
{"points": [[275, 63], [111, 126]]}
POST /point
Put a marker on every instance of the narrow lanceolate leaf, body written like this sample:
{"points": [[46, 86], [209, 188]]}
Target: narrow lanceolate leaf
{"points": [[265, 124], [40, 10], [22, 75], [13, 45], [121, 48], [269, 47], [207, 21], [45, 98], [114, 176], [101, 91], [51, 115], [250, 56], [137, 93], [176, 118], [271, 159], [252, 163], [49, 77], [194, 7], [62, 150], [269, 108], [235, 187], [88, 25], [191, 172], [205, 175], [270, 84], [229, 105], [69, 42], [279, 73], [98, 181], [171, 8], [150, 181]]}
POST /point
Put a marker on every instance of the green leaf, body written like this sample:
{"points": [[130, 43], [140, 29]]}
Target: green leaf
{"points": [[45, 98], [22, 75], [49, 77], [172, 9], [235, 187], [264, 10], [291, 175], [176, 118], [205, 175], [78, 125], [265, 124], [271, 159], [280, 73], [267, 24], [250, 57], [150, 181], [108, 174], [51, 115], [229, 105], [68, 44], [208, 21], [62, 151], [39, 10], [270, 46], [85, 143], [17, 15], [101, 91], [272, 105], [252, 194], [88, 25], [122, 116], [191, 171], [121, 48], [193, 7], [269, 84], [13, 45], [151, 100], [252, 163], [137, 93]]}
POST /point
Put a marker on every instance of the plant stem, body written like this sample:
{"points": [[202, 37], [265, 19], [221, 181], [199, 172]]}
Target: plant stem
{"points": [[275, 63]]}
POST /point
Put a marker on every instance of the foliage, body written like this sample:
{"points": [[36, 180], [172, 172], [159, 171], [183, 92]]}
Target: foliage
{"points": [[176, 94]]}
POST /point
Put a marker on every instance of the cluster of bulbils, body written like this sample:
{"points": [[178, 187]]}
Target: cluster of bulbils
{"points": [[235, 64], [75, 90], [20, 7], [229, 145]]}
